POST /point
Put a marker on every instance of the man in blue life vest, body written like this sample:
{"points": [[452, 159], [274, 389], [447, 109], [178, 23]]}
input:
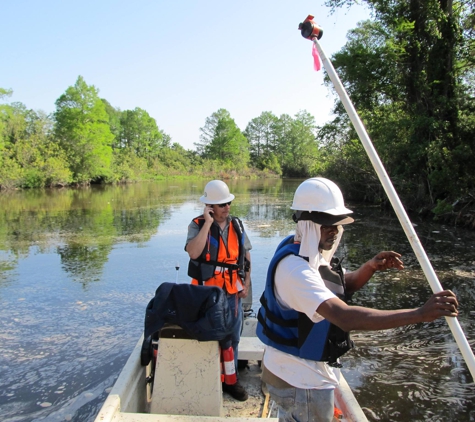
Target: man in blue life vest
{"points": [[219, 256], [304, 319]]}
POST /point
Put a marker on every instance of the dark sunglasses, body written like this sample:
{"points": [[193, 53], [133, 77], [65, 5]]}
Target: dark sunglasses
{"points": [[226, 203], [328, 228]]}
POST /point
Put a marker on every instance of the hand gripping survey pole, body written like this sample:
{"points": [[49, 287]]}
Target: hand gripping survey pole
{"points": [[313, 32]]}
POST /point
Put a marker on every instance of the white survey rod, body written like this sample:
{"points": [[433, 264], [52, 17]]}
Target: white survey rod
{"points": [[397, 205]]}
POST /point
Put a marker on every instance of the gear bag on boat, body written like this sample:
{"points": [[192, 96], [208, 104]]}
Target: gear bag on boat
{"points": [[202, 311]]}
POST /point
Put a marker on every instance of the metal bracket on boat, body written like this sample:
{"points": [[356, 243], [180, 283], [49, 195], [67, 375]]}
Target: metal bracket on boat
{"points": [[149, 347], [309, 29]]}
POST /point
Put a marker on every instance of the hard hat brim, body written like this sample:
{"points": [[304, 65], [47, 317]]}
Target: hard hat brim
{"points": [[334, 220], [206, 200]]}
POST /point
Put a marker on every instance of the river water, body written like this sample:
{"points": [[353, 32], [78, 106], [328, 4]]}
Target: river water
{"points": [[78, 267]]}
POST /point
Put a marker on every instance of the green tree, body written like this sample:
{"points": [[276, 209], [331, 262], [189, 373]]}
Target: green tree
{"points": [[282, 129], [44, 163], [83, 132], [221, 139], [301, 156], [141, 135], [366, 68], [114, 122], [11, 124], [28, 157], [262, 137], [409, 74]]}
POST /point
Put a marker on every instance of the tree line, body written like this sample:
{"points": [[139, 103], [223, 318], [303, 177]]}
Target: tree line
{"points": [[87, 140], [409, 72]]}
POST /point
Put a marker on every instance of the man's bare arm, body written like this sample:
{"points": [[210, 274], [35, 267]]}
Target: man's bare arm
{"points": [[355, 280], [350, 318]]}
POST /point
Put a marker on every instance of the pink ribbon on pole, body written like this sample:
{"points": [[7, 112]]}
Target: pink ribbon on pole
{"points": [[316, 58]]}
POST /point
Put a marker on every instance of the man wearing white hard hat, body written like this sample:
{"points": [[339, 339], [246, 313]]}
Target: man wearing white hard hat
{"points": [[219, 256], [304, 319]]}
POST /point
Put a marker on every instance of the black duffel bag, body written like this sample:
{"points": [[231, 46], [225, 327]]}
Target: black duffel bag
{"points": [[202, 311]]}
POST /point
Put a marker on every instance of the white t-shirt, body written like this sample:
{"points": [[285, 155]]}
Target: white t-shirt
{"points": [[299, 286]]}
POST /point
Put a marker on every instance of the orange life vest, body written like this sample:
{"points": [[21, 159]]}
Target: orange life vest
{"points": [[227, 275]]}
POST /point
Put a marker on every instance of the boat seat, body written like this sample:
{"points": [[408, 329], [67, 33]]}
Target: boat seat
{"points": [[187, 378], [250, 348]]}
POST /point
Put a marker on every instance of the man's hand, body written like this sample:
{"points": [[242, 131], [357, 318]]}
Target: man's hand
{"points": [[355, 280], [385, 260], [439, 305], [244, 292], [208, 213], [196, 245]]}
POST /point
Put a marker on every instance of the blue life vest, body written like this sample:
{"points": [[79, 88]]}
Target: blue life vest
{"points": [[294, 332]]}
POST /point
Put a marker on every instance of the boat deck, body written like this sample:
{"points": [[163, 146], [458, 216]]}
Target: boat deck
{"points": [[128, 396], [253, 407]]}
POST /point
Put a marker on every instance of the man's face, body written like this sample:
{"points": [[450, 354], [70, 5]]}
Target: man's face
{"points": [[221, 211], [328, 236]]}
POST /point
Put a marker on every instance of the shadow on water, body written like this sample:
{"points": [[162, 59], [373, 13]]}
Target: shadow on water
{"points": [[78, 267]]}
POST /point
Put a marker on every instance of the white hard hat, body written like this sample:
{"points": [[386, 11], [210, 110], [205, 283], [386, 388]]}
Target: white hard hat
{"points": [[320, 195], [216, 192]]}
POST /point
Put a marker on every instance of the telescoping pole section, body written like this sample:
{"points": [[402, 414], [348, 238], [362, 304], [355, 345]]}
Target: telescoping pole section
{"points": [[313, 32]]}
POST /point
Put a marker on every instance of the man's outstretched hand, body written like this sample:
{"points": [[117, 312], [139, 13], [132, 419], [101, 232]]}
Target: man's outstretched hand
{"points": [[385, 260]]}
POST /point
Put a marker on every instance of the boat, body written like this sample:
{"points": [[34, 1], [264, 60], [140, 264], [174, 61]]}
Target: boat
{"points": [[185, 384]]}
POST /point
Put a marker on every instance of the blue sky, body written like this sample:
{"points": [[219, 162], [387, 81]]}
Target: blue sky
{"points": [[180, 60]]}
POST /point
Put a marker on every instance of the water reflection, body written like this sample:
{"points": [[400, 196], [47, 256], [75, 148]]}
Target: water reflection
{"points": [[77, 268]]}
